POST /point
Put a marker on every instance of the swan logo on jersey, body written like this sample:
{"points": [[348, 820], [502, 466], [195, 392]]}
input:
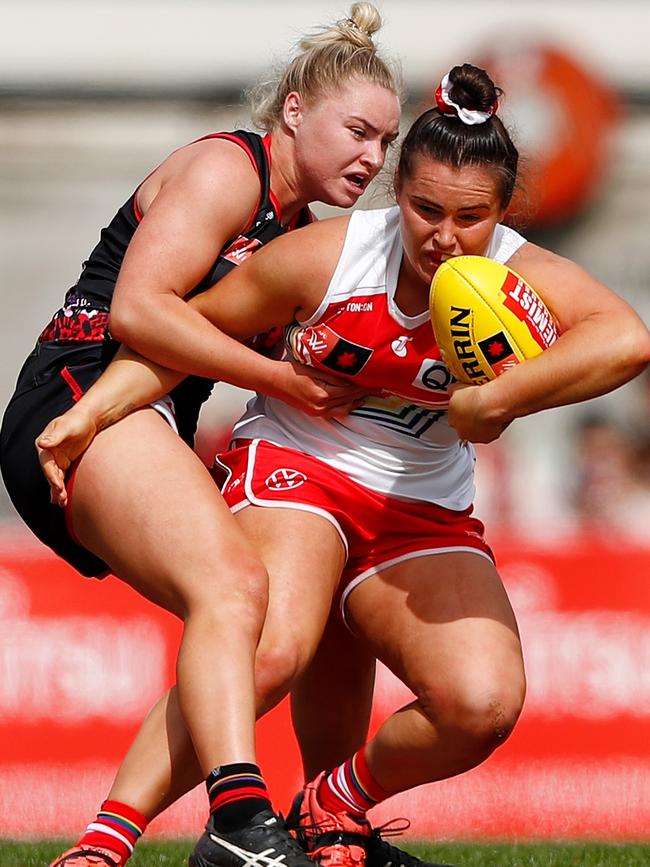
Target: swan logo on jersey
{"points": [[285, 480], [320, 345], [433, 375]]}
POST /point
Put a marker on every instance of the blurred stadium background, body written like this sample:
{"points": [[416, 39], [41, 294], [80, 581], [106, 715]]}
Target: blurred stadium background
{"points": [[92, 95]]}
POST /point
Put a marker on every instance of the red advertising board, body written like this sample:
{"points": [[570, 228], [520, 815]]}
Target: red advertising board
{"points": [[81, 662]]}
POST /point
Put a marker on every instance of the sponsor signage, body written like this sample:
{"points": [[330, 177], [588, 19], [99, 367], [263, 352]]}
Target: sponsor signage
{"points": [[81, 661]]}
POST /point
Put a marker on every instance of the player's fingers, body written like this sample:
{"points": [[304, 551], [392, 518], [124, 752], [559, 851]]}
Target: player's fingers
{"points": [[347, 392], [54, 475], [333, 392], [345, 407], [323, 376], [59, 498]]}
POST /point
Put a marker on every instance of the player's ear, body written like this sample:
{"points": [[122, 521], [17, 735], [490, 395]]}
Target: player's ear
{"points": [[292, 110]]}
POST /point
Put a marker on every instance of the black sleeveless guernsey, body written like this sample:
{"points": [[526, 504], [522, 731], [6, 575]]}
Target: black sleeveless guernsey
{"points": [[76, 346]]}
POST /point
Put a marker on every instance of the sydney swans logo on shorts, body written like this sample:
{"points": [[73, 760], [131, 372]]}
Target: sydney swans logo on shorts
{"points": [[285, 479]]}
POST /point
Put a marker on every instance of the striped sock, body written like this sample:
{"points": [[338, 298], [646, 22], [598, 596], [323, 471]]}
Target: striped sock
{"points": [[117, 827], [351, 788], [236, 792]]}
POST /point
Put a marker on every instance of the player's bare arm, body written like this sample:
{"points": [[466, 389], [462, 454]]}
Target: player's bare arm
{"points": [[201, 197], [281, 283]]}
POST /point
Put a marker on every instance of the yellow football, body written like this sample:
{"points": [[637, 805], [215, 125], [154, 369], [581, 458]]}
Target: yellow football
{"points": [[486, 318]]}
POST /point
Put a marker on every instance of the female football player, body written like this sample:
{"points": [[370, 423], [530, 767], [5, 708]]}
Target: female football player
{"points": [[145, 507], [385, 493]]}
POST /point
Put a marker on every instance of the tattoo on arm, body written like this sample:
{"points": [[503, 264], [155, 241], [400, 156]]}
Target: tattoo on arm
{"points": [[116, 415]]}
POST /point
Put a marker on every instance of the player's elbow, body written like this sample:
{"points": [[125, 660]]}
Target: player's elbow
{"points": [[633, 345], [644, 347], [129, 323], [120, 327]]}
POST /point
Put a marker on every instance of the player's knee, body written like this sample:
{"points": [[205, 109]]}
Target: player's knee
{"points": [[277, 665], [482, 714], [230, 598], [488, 720]]}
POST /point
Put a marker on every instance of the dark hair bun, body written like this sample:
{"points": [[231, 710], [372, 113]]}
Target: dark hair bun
{"points": [[472, 88]]}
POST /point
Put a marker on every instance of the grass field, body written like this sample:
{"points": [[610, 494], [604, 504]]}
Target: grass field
{"points": [[459, 854]]}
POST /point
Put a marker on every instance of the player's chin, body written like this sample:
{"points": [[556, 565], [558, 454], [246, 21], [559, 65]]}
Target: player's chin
{"points": [[431, 263], [428, 269], [347, 193]]}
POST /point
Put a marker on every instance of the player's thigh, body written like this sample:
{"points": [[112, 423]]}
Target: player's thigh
{"points": [[304, 556], [441, 621], [145, 503]]}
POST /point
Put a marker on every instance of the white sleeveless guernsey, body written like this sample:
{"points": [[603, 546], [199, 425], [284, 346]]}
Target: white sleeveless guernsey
{"points": [[400, 443]]}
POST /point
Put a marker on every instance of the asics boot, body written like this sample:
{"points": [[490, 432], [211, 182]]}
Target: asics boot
{"points": [[330, 839], [263, 842], [342, 840], [380, 853]]}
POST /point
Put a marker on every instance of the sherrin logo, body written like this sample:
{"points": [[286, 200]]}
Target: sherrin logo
{"points": [[460, 319]]}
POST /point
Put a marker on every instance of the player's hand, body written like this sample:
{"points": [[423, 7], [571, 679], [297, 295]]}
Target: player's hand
{"points": [[315, 392], [63, 440], [469, 414]]}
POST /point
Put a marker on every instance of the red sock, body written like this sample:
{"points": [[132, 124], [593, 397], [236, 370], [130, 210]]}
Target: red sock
{"points": [[117, 827], [351, 787]]}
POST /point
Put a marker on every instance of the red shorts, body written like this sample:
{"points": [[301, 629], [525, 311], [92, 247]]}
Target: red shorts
{"points": [[377, 531]]}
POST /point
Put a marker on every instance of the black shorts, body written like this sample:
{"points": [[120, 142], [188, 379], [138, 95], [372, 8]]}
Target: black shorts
{"points": [[52, 378]]}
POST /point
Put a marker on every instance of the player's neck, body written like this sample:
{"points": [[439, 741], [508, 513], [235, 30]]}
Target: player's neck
{"points": [[285, 184], [411, 294]]}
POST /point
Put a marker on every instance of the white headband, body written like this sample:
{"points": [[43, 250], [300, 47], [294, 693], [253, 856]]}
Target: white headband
{"points": [[468, 115]]}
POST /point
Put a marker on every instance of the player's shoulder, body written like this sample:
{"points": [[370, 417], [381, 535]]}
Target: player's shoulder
{"points": [[315, 241], [533, 261], [219, 158], [359, 223], [330, 228], [215, 175]]}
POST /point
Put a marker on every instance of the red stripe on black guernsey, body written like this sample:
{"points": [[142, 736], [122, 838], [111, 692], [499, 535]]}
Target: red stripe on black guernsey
{"points": [[75, 388]]}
